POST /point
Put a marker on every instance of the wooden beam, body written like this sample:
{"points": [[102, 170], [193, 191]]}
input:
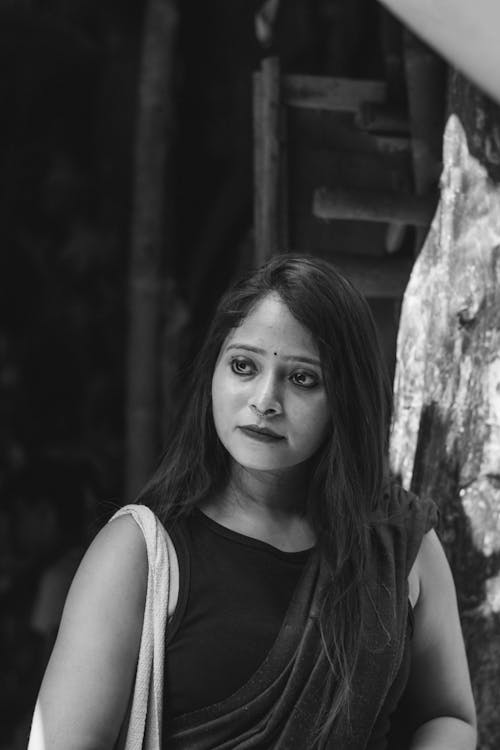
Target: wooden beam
{"points": [[376, 277], [373, 205], [334, 94], [266, 165], [426, 87], [156, 112], [379, 118], [391, 144]]}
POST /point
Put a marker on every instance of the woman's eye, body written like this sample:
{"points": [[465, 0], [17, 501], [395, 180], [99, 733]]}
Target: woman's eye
{"points": [[242, 366], [305, 379]]}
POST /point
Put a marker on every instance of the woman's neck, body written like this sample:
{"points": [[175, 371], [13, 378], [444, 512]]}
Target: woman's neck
{"points": [[270, 506]]}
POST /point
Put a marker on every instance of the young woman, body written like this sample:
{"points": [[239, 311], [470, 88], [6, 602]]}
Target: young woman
{"points": [[314, 597]]}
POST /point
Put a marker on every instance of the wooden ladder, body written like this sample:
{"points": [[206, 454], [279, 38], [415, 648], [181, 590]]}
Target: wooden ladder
{"points": [[339, 173]]}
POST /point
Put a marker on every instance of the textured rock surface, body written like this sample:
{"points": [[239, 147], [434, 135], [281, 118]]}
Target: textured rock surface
{"points": [[445, 440]]}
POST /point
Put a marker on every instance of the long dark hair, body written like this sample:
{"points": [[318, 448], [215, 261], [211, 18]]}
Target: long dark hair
{"points": [[349, 470]]}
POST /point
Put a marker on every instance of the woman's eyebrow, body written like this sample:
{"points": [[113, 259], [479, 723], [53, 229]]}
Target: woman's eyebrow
{"points": [[290, 358]]}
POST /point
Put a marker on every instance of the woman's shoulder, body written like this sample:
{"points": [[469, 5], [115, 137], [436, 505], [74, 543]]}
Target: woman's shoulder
{"points": [[114, 567], [121, 533], [88, 680], [119, 536]]}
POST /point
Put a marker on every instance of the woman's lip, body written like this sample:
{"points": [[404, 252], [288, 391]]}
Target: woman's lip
{"points": [[261, 434]]}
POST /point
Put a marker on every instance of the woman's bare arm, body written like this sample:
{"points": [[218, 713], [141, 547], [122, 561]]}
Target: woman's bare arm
{"points": [[439, 687], [87, 684], [462, 31]]}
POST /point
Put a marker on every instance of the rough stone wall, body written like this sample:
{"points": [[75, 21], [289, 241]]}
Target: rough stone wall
{"points": [[445, 440]]}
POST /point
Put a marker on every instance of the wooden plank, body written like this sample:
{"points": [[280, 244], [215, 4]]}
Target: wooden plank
{"points": [[267, 154], [258, 159], [336, 94], [379, 118], [153, 159], [425, 76], [283, 238], [391, 144], [376, 278], [338, 131], [373, 205]]}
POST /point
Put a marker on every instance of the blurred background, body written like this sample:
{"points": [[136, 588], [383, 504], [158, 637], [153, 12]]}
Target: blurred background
{"points": [[130, 135]]}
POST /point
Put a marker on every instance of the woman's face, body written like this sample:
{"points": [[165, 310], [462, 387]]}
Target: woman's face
{"points": [[269, 402]]}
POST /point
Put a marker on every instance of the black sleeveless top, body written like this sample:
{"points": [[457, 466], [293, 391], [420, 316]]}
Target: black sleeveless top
{"points": [[233, 596]]}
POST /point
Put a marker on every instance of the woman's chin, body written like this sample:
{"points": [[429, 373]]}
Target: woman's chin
{"points": [[264, 464]]}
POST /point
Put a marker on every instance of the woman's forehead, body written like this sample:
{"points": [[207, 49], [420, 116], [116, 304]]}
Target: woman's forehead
{"points": [[271, 325]]}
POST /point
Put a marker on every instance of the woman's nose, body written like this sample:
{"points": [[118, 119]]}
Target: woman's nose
{"points": [[266, 399]]}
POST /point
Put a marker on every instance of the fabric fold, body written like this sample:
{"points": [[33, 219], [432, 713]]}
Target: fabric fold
{"points": [[277, 707]]}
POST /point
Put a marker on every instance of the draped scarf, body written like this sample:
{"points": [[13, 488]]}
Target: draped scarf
{"points": [[278, 706]]}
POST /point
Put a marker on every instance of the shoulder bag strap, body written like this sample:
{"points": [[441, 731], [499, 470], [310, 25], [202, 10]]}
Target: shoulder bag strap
{"points": [[142, 731]]}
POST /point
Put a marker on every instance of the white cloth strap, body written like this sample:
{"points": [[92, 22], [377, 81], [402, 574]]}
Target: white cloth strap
{"points": [[143, 729]]}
